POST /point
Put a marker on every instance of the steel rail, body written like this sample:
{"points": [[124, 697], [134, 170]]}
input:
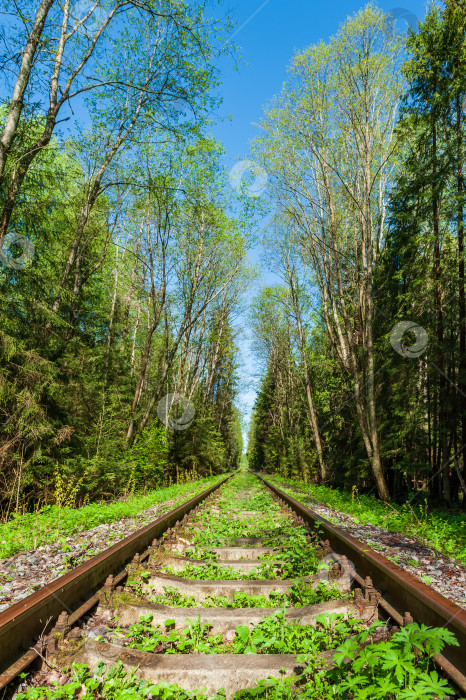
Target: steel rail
{"points": [[398, 587], [23, 623]]}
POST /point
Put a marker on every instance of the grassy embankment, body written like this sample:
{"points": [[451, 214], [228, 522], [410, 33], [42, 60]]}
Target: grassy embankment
{"points": [[31, 530], [440, 529]]}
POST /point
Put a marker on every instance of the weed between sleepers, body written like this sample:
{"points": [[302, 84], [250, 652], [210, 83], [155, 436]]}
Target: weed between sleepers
{"points": [[297, 549], [399, 666], [396, 668], [298, 595], [273, 635]]}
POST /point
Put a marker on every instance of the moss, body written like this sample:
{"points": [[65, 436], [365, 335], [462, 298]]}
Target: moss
{"points": [[66, 651], [121, 598]]}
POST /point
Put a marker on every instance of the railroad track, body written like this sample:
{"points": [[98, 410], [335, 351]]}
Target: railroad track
{"points": [[231, 588]]}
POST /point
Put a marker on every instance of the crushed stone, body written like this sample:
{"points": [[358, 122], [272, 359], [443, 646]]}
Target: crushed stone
{"points": [[434, 568], [26, 572]]}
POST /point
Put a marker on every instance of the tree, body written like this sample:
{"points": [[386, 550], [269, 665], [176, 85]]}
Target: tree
{"points": [[16, 105], [114, 307], [282, 247], [328, 143], [167, 52]]}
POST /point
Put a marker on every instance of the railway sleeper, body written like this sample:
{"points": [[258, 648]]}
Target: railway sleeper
{"points": [[193, 671], [178, 564], [224, 620], [235, 553], [201, 589]]}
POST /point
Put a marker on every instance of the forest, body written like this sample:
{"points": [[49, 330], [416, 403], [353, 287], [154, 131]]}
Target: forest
{"points": [[363, 338], [122, 264], [125, 256]]}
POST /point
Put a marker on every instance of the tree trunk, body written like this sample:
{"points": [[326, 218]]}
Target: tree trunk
{"points": [[125, 331], [133, 347], [138, 390], [309, 391], [112, 313], [442, 455], [462, 305], [16, 105]]}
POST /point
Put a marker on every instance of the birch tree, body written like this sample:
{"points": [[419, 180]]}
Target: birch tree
{"points": [[123, 52], [328, 141], [283, 257]]}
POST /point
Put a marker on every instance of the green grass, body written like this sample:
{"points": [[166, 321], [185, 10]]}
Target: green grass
{"points": [[298, 595], [398, 668], [274, 634], [441, 530], [367, 663], [26, 532]]}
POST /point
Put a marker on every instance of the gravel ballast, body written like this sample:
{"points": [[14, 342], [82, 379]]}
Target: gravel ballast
{"points": [[26, 572], [442, 573]]}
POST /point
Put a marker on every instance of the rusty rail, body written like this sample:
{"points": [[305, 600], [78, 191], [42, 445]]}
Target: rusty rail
{"points": [[398, 587], [22, 624]]}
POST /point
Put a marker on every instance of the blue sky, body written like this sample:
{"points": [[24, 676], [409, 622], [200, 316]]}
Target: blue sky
{"points": [[269, 33]]}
